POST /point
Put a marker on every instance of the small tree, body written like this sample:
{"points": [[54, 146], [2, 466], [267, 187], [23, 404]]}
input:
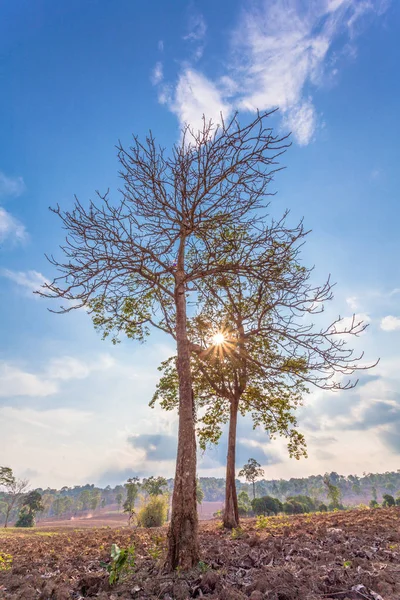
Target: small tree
{"points": [[118, 499], [132, 487], [251, 472], [31, 504], [244, 503], [333, 493]]}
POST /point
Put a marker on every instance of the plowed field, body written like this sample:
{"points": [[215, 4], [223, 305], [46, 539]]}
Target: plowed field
{"points": [[351, 555]]}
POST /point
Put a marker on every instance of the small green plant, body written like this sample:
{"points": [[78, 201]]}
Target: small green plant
{"points": [[204, 567], [122, 561], [347, 564], [5, 561]]}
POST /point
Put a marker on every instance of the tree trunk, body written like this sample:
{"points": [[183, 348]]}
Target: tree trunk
{"points": [[183, 549], [231, 512]]}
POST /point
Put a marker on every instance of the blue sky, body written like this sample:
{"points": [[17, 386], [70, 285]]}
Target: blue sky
{"points": [[77, 77]]}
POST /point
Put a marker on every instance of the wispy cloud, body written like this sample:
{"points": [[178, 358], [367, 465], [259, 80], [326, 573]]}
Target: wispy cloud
{"points": [[15, 381], [195, 96], [11, 186], [10, 228], [279, 52], [157, 74], [390, 323], [31, 281]]}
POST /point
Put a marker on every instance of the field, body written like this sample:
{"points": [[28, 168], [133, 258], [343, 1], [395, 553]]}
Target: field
{"points": [[351, 555]]}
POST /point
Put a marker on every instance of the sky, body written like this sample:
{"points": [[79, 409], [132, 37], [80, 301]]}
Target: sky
{"points": [[75, 78]]}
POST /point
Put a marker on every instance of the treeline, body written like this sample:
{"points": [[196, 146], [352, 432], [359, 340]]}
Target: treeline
{"points": [[353, 489], [82, 500]]}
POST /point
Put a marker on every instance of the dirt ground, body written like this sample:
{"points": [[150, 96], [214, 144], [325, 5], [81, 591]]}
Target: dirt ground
{"points": [[352, 555]]}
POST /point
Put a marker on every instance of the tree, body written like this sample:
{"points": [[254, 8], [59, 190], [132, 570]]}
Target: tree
{"points": [[31, 504], [333, 492], [132, 490], [153, 486], [14, 489], [144, 254], [244, 503], [388, 500], [251, 472], [118, 498]]}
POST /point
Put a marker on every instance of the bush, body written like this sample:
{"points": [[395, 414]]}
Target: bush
{"points": [[25, 519], [323, 507], [154, 513], [291, 507], [307, 503], [397, 501], [388, 500], [373, 504], [266, 505]]}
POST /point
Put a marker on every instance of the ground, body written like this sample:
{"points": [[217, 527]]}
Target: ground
{"points": [[351, 555]]}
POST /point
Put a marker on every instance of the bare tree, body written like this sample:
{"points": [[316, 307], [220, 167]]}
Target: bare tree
{"points": [[145, 253], [14, 490]]}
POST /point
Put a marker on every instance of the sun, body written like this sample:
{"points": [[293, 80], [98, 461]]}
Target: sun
{"points": [[218, 339]]}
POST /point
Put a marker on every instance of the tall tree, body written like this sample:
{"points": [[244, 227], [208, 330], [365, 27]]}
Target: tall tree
{"points": [[145, 253], [252, 471]]}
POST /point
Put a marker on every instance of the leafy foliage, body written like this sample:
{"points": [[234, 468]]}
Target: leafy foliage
{"points": [[122, 562]]}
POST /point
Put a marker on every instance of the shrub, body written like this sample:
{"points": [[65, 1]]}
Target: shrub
{"points": [[397, 501], [25, 519], [373, 504], [291, 507], [388, 500], [322, 507], [154, 513], [266, 505]]}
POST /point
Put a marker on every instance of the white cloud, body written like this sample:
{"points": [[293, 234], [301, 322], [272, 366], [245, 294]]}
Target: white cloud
{"points": [[160, 45], [352, 302], [195, 96], [11, 186], [30, 280], [278, 51], [11, 228], [68, 367], [60, 421], [390, 323], [157, 75], [197, 28], [15, 381]]}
